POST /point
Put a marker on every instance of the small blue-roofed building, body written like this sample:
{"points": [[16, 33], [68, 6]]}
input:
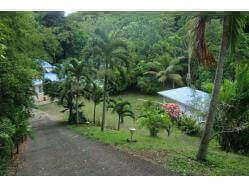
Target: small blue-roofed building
{"points": [[192, 102], [47, 75]]}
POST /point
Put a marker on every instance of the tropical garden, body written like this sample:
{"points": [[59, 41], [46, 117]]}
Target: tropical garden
{"points": [[110, 67]]}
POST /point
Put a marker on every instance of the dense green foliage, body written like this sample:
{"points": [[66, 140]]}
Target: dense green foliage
{"points": [[154, 118], [101, 54], [189, 126], [146, 52], [233, 119], [20, 46], [122, 108]]}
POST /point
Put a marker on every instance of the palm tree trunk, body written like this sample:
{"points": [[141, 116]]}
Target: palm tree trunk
{"points": [[104, 103], [119, 122], [70, 114], [217, 84], [77, 112], [189, 69], [94, 113]]}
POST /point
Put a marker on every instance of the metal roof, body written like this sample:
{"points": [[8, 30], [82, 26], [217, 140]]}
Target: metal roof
{"points": [[47, 76], [45, 64], [189, 97], [51, 76], [37, 82]]}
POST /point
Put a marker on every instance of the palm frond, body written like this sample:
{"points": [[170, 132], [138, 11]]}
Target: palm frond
{"points": [[102, 34], [162, 78], [117, 44], [236, 26], [198, 45], [176, 78]]}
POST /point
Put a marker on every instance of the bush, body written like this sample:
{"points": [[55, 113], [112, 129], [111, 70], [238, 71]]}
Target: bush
{"points": [[207, 87], [232, 121], [189, 125], [154, 118], [7, 131]]}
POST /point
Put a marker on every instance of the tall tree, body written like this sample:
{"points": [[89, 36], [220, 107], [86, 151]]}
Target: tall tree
{"points": [[112, 52], [78, 71], [232, 26]]}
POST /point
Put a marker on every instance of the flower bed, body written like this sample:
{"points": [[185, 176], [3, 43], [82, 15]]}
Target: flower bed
{"points": [[172, 109]]}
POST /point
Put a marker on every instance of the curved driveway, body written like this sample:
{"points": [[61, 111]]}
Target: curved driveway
{"points": [[58, 151]]}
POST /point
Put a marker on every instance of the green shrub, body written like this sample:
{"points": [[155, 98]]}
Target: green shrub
{"points": [[207, 87], [189, 125], [7, 131], [232, 120], [228, 91], [154, 118]]}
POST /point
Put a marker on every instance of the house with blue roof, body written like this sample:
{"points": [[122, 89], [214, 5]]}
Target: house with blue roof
{"points": [[47, 75]]}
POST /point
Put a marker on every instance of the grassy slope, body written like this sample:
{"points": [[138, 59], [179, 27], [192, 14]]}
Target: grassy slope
{"points": [[176, 152]]}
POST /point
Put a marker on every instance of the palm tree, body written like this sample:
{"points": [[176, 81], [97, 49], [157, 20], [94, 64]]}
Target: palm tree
{"points": [[170, 74], [78, 74], [95, 93], [122, 108], [112, 51], [232, 26]]}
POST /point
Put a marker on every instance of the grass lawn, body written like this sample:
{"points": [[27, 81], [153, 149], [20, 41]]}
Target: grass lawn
{"points": [[176, 152]]}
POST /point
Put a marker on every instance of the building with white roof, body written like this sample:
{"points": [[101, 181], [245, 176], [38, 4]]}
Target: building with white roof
{"points": [[192, 102], [38, 84]]}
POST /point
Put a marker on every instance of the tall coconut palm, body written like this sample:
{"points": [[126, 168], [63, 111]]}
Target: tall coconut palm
{"points": [[232, 26], [112, 52]]}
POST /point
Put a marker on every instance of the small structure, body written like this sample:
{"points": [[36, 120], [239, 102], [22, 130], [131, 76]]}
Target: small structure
{"points": [[192, 102], [38, 84], [132, 131]]}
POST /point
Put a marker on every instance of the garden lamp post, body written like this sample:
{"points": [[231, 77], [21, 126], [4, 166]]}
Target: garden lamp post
{"points": [[132, 131]]}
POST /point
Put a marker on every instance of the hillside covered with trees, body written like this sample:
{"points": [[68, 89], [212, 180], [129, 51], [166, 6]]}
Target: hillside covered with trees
{"points": [[99, 55]]}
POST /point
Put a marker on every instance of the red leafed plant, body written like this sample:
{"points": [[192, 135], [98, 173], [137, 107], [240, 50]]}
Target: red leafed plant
{"points": [[172, 109]]}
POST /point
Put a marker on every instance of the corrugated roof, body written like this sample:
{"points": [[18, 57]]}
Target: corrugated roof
{"points": [[51, 76], [45, 64], [37, 82], [187, 96], [47, 76]]}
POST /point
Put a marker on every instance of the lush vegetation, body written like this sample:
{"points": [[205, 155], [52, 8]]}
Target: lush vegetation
{"points": [[176, 152], [20, 46], [99, 55]]}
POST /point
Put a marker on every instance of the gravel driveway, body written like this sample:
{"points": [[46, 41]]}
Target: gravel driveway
{"points": [[58, 151]]}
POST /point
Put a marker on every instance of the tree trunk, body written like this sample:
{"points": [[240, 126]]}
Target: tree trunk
{"points": [[17, 148], [77, 110], [119, 122], [189, 69], [70, 114], [104, 103], [215, 93], [94, 113]]}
